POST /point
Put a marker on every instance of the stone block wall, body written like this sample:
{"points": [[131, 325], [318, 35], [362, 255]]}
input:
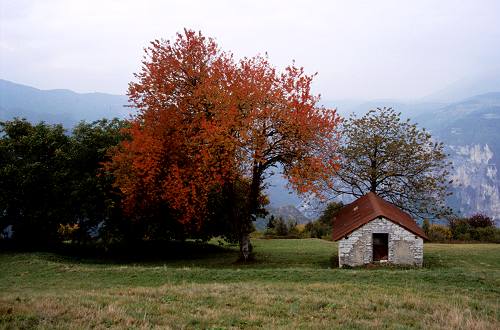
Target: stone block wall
{"points": [[404, 247]]}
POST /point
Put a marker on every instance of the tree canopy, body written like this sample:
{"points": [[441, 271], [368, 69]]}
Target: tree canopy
{"points": [[393, 158], [206, 121], [33, 176], [51, 179]]}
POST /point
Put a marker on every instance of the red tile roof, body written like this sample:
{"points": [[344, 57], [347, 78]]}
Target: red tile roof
{"points": [[368, 208]]}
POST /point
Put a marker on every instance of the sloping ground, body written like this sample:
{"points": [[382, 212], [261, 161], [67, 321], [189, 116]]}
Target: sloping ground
{"points": [[290, 286]]}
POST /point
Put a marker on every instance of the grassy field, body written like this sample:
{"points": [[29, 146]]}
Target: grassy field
{"points": [[291, 285]]}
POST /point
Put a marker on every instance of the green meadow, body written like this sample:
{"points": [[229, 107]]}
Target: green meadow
{"points": [[291, 284]]}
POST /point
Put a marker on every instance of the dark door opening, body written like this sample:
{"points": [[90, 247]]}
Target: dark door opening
{"points": [[380, 247]]}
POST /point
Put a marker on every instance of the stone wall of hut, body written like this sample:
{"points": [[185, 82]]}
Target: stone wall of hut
{"points": [[404, 247]]}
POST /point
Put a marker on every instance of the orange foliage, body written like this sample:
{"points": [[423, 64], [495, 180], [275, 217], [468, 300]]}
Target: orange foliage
{"points": [[204, 119], [281, 124]]}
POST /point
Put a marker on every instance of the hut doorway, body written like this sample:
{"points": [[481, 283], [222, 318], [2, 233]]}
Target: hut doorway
{"points": [[380, 247]]}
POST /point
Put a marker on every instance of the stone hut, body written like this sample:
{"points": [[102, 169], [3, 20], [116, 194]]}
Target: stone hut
{"points": [[371, 229]]}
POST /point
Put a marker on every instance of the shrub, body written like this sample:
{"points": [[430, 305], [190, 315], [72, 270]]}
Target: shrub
{"points": [[439, 233], [68, 231], [485, 234], [465, 237], [317, 229], [460, 228], [496, 237], [300, 228], [478, 227], [480, 221]]}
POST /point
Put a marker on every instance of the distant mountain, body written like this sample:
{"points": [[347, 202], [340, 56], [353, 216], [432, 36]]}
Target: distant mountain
{"points": [[473, 85], [474, 118], [289, 213], [360, 107], [58, 105], [470, 130], [276, 186]]}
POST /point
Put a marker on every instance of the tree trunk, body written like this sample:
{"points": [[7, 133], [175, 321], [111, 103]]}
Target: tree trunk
{"points": [[245, 230], [253, 208], [245, 246], [374, 171]]}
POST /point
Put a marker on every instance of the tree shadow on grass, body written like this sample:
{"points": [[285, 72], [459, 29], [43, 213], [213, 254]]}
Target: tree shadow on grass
{"points": [[430, 261], [156, 252], [433, 261]]}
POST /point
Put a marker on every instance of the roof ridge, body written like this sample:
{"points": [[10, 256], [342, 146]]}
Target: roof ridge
{"points": [[375, 202], [367, 208]]}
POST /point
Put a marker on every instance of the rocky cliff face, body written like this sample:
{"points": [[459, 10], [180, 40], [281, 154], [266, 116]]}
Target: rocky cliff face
{"points": [[475, 180], [471, 131]]}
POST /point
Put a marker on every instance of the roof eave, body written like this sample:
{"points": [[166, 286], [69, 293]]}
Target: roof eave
{"points": [[339, 237]]}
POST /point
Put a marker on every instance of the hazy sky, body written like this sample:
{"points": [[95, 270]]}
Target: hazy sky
{"points": [[361, 49]]}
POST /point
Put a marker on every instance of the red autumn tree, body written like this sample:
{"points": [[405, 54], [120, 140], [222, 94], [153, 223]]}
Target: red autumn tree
{"points": [[179, 148], [279, 125], [205, 122]]}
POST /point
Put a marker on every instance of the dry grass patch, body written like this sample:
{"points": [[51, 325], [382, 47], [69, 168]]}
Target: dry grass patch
{"points": [[245, 305]]}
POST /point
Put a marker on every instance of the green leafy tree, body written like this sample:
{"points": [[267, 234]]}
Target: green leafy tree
{"points": [[393, 158], [330, 211], [478, 227], [480, 221], [322, 227], [271, 223], [34, 195], [94, 201], [425, 226], [281, 227], [52, 182]]}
